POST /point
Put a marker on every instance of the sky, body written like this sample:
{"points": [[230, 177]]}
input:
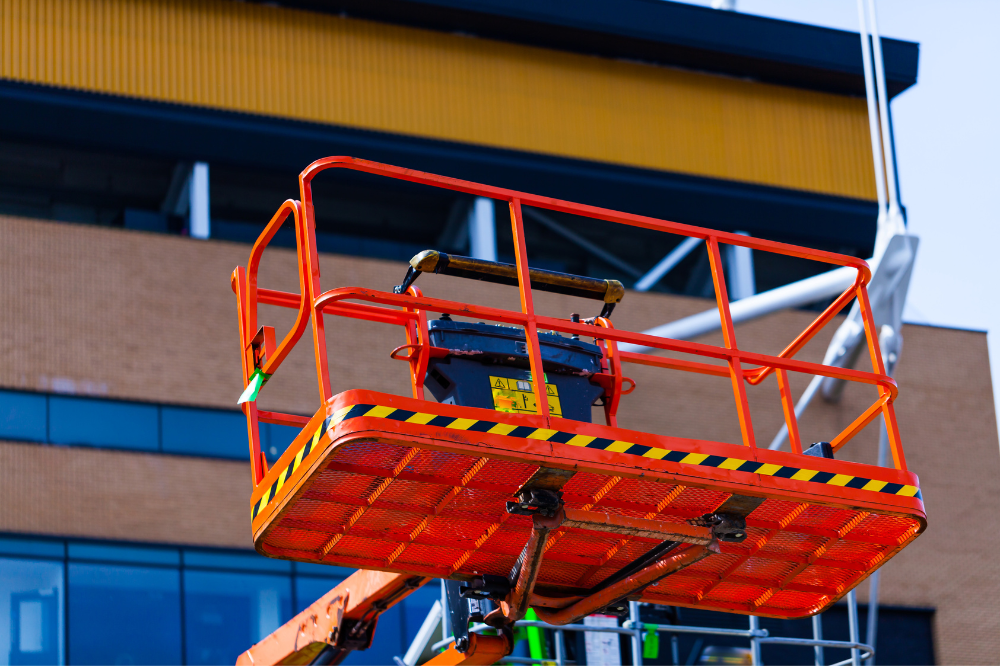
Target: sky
{"points": [[947, 136]]}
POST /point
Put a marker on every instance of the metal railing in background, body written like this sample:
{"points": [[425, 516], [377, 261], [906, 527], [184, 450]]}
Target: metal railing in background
{"points": [[636, 630]]}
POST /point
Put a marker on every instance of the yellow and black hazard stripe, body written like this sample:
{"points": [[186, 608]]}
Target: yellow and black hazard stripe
{"points": [[586, 441], [303, 453]]}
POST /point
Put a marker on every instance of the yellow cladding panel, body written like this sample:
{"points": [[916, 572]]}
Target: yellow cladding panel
{"points": [[274, 61]]}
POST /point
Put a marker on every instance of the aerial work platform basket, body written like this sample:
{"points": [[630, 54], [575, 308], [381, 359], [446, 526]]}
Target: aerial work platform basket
{"points": [[521, 496]]}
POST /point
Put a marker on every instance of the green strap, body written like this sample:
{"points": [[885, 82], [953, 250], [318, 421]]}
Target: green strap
{"points": [[257, 381], [536, 637], [651, 643]]}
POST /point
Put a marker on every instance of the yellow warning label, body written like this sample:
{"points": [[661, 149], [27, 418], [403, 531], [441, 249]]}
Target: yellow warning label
{"points": [[517, 396]]}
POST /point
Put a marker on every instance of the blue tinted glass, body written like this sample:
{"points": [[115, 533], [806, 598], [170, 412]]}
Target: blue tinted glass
{"points": [[278, 439], [416, 607], [309, 589], [103, 423], [44, 548], [252, 561], [205, 432], [31, 612], [327, 570], [124, 615], [22, 416], [225, 613], [388, 642], [133, 554]]}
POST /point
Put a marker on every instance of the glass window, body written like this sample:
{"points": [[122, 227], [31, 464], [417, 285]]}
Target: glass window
{"points": [[39, 547], [388, 641], [205, 432], [124, 615], [225, 613], [309, 589], [128, 554], [277, 440], [31, 612], [22, 416], [322, 570], [103, 423], [415, 609], [206, 559]]}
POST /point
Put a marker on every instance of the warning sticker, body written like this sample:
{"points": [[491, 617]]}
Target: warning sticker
{"points": [[517, 396]]}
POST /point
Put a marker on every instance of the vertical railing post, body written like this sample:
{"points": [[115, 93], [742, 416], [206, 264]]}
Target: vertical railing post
{"points": [[729, 337], [871, 635], [308, 237], [560, 648], [528, 308], [245, 313], [754, 643], [888, 413], [817, 621], [788, 407], [444, 610], [636, 623], [416, 335], [852, 622]]}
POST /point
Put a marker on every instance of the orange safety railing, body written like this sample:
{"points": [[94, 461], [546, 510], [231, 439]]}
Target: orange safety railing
{"points": [[409, 311]]}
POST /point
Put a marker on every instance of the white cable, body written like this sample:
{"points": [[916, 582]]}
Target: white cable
{"points": [[873, 124]]}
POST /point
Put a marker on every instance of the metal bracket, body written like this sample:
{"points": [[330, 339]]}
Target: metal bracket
{"points": [[488, 586], [725, 527], [540, 501]]}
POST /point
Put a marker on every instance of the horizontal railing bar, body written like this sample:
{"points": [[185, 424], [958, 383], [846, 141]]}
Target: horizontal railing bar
{"points": [[593, 212], [683, 629], [354, 310], [760, 635], [674, 364], [280, 418], [564, 326]]}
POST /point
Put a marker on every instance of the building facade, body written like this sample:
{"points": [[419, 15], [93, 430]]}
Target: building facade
{"points": [[144, 143]]}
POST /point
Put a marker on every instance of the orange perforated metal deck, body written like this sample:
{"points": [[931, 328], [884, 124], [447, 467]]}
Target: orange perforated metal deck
{"points": [[383, 482]]}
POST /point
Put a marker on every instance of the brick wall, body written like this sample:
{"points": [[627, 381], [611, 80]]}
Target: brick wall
{"points": [[151, 317]]}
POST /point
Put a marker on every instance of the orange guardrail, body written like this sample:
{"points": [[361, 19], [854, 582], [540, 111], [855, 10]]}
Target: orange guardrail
{"points": [[409, 310]]}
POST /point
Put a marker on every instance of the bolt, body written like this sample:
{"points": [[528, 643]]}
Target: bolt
{"points": [[462, 643]]}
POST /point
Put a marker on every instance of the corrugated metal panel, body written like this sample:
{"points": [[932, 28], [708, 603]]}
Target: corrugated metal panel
{"points": [[275, 61]]}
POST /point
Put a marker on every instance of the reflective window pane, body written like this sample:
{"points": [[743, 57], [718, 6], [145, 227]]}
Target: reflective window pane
{"points": [[388, 641], [278, 438], [124, 615], [416, 607], [22, 416], [31, 612], [206, 559], [91, 422], [205, 432], [225, 613], [309, 589]]}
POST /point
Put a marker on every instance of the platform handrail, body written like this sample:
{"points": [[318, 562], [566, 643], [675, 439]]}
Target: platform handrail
{"points": [[409, 310]]}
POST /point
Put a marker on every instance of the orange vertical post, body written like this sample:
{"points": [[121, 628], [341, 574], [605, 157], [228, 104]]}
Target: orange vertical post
{"points": [[312, 264], [729, 337], [258, 466], [528, 308], [420, 345], [888, 413], [788, 407]]}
